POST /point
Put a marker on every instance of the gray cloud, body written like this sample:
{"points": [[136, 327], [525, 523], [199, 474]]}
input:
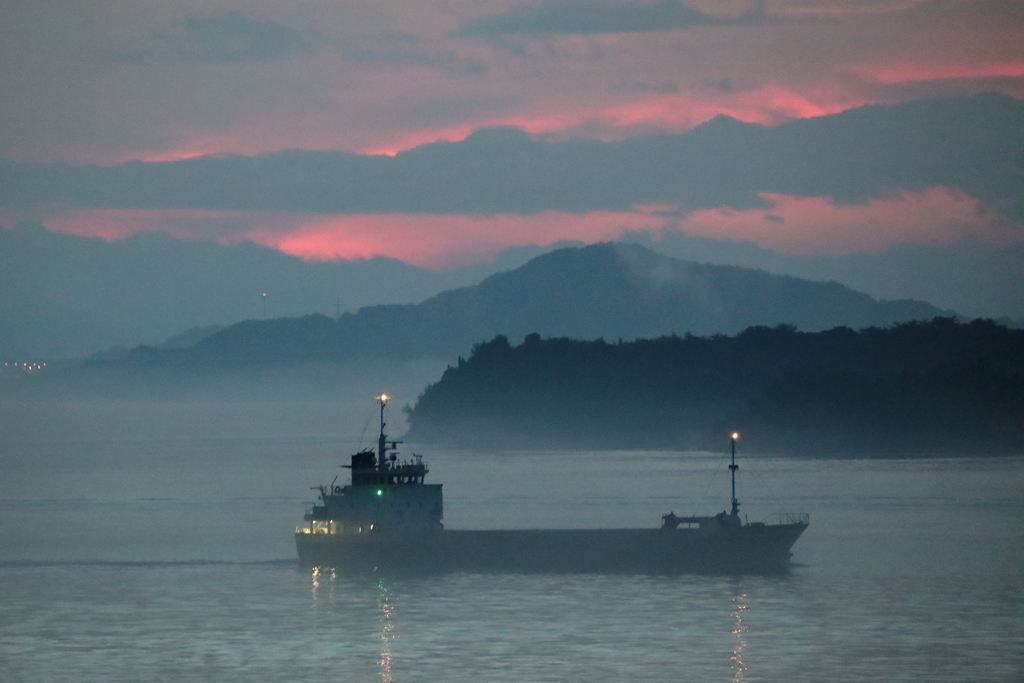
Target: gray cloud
{"points": [[227, 39], [404, 48], [603, 16], [234, 37]]}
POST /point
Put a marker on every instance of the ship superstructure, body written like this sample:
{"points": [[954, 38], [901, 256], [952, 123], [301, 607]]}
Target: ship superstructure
{"points": [[385, 494]]}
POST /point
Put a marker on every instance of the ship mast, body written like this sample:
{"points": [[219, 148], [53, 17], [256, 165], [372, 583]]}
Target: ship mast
{"points": [[732, 469], [381, 442]]}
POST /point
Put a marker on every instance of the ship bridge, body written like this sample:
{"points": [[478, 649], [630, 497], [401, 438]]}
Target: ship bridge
{"points": [[385, 493], [367, 472]]}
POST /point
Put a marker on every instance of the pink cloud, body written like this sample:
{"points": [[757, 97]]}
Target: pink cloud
{"points": [[436, 241], [826, 9], [426, 240], [769, 105], [796, 225], [906, 72], [179, 155]]}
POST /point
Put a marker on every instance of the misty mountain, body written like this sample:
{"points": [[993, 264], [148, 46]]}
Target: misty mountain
{"points": [[609, 291], [938, 386], [67, 296]]}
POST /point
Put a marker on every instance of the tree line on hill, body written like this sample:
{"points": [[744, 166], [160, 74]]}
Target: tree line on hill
{"points": [[940, 386]]}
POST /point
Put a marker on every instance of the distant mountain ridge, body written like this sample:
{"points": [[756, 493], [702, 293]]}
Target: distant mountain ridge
{"points": [[610, 291], [972, 144]]}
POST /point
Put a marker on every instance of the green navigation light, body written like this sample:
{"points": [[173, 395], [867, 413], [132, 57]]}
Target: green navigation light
{"points": [[380, 492]]}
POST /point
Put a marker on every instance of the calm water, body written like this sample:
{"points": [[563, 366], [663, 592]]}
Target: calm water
{"points": [[154, 558]]}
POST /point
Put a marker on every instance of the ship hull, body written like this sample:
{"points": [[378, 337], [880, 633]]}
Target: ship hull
{"points": [[656, 551]]}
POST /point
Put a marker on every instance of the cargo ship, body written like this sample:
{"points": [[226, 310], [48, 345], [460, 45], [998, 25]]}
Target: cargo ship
{"points": [[388, 519]]}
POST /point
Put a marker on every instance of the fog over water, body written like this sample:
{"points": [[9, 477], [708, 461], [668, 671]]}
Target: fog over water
{"points": [[153, 542], [181, 167]]}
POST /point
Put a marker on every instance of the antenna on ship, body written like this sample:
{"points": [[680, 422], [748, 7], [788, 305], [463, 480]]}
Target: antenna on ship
{"points": [[381, 443], [732, 468]]}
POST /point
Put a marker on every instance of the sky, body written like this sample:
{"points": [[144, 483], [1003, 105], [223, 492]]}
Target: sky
{"points": [[105, 83]]}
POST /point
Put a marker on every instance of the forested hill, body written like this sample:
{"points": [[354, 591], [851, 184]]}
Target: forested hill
{"points": [[612, 291], [926, 387]]}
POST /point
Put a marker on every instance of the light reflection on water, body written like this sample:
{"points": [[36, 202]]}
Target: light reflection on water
{"points": [[385, 607], [910, 570], [277, 622], [532, 624], [740, 645]]}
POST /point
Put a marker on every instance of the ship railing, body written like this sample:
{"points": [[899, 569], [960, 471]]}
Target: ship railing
{"points": [[783, 518]]}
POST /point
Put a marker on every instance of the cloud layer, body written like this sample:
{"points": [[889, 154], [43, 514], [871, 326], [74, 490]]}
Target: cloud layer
{"points": [[112, 80], [972, 145], [458, 128], [586, 17], [932, 171]]}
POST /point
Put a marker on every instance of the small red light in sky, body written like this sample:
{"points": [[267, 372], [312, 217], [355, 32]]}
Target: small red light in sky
{"points": [[264, 293]]}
